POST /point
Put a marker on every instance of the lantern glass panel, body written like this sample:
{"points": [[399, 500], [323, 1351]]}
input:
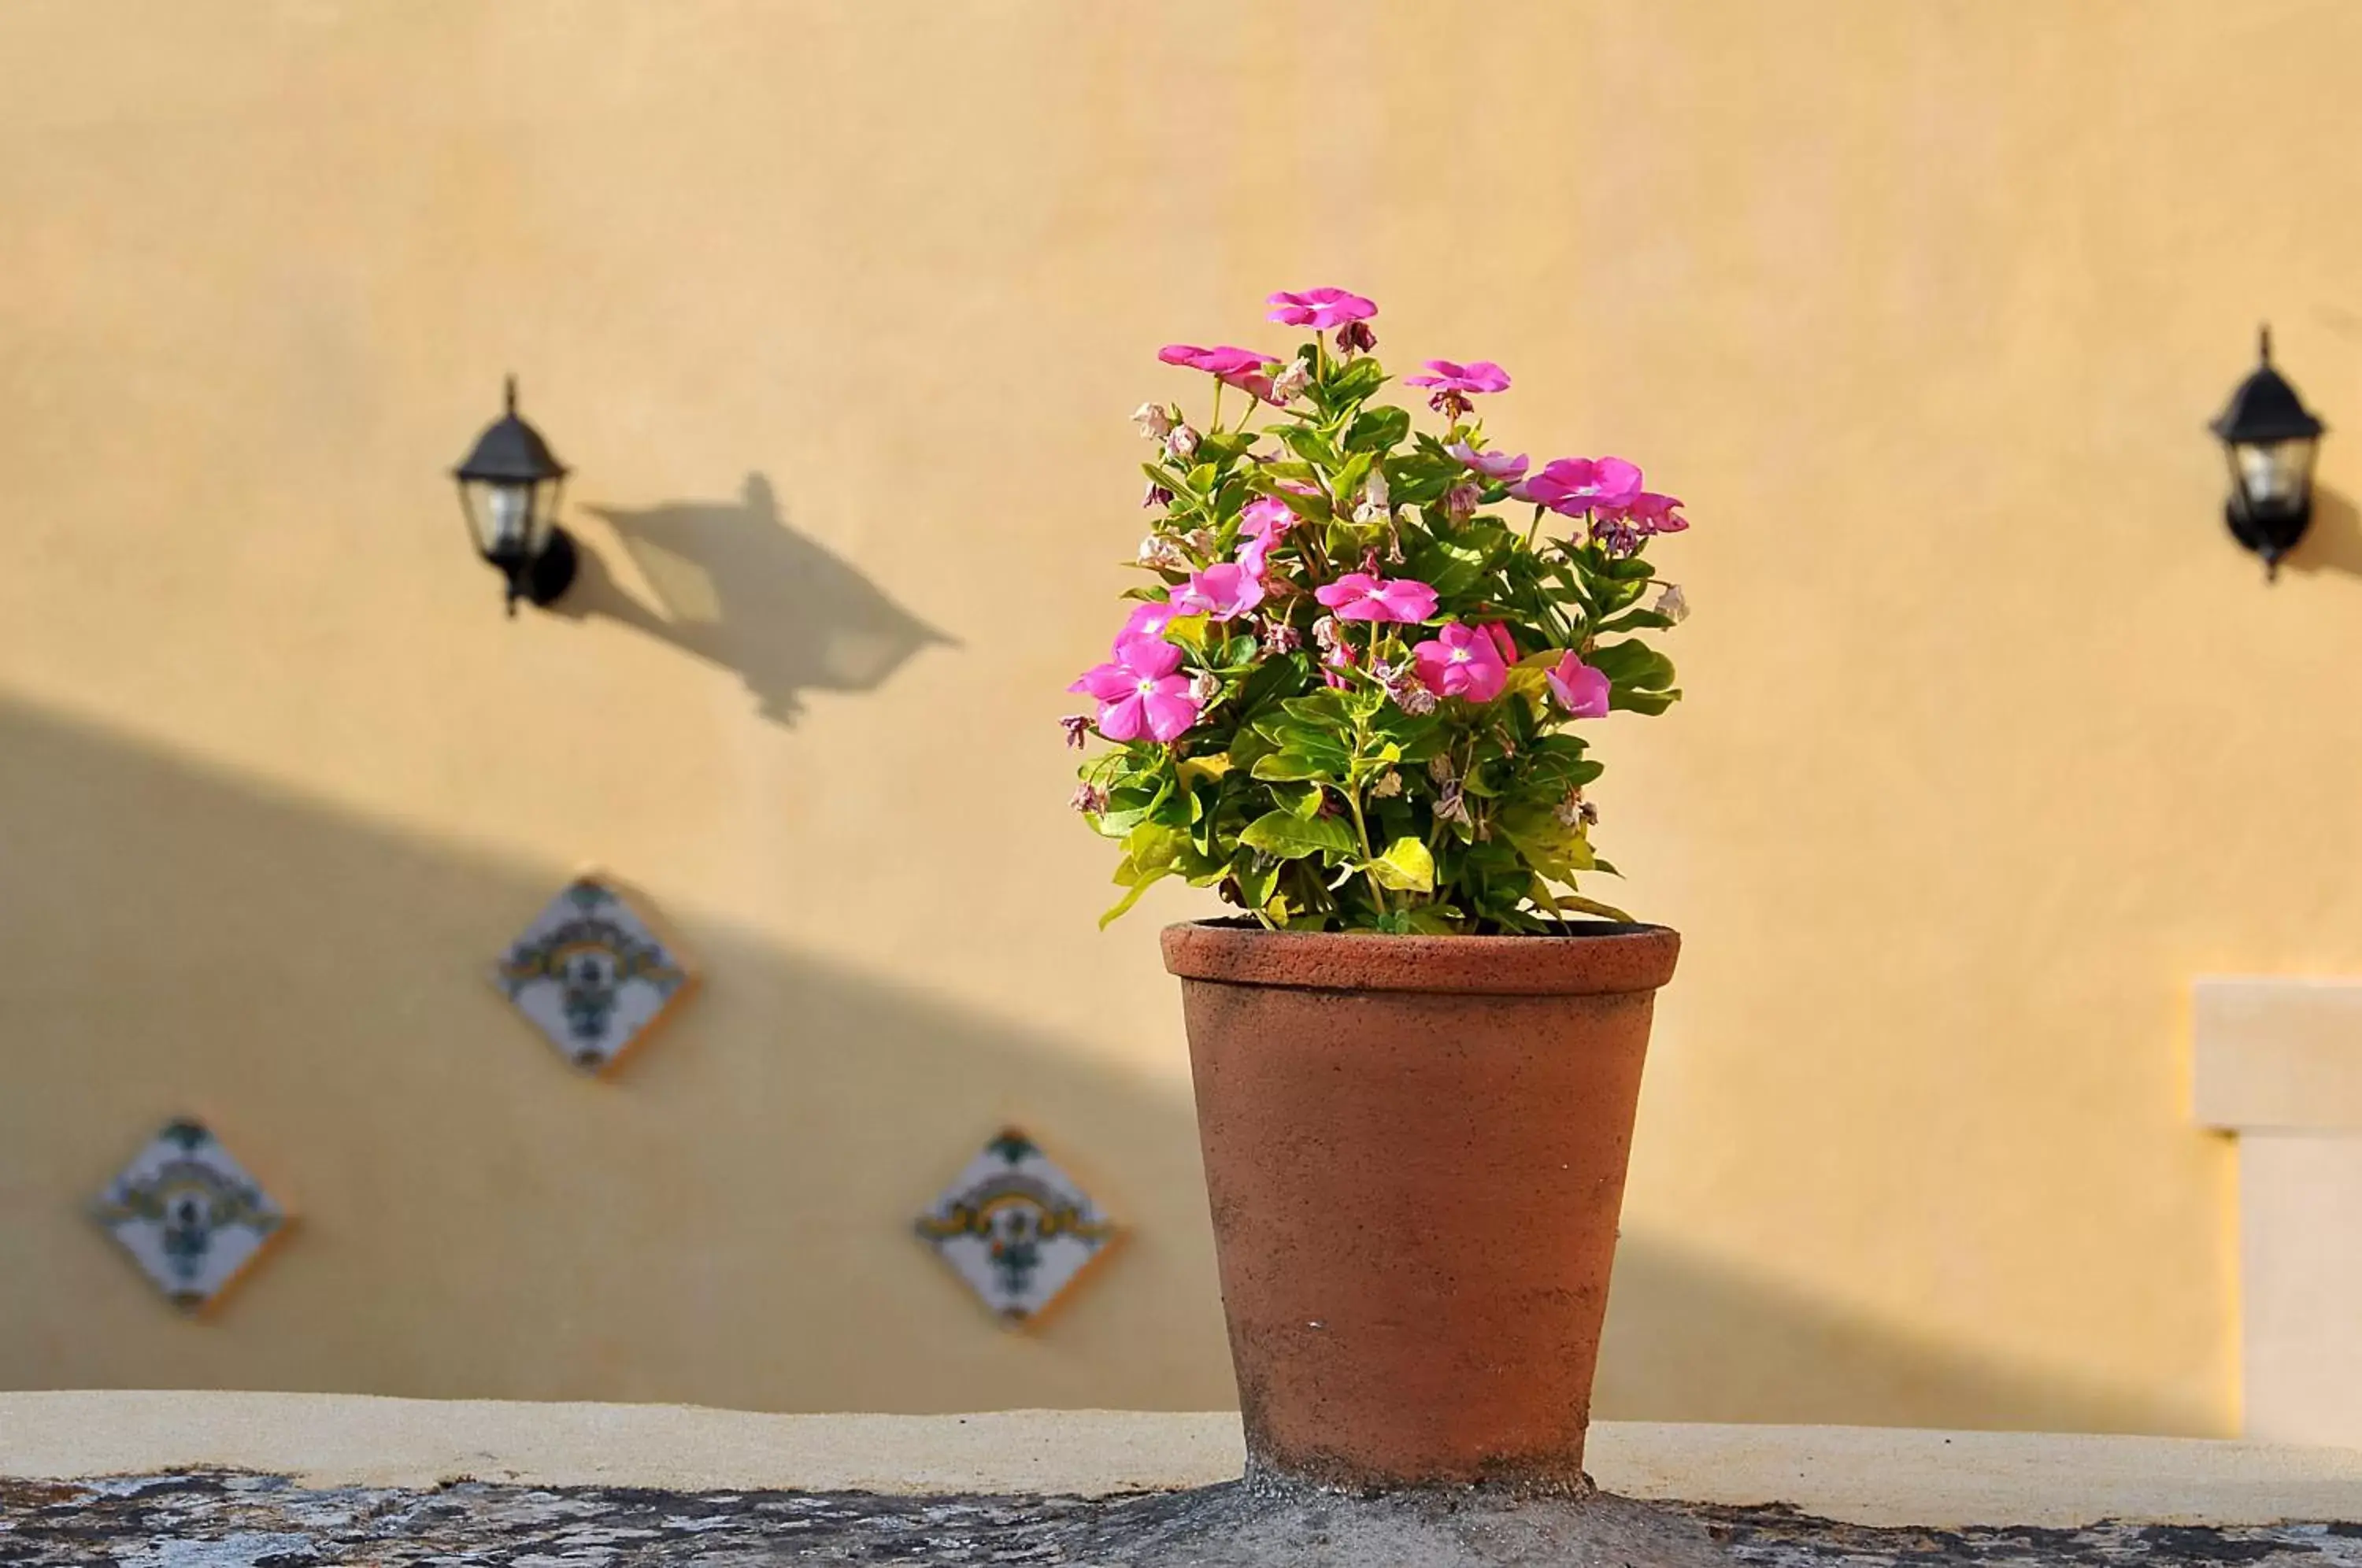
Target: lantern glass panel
{"points": [[2275, 476], [512, 517]]}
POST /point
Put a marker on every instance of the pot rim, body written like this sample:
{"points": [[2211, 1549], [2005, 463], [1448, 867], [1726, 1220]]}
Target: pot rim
{"points": [[1613, 960]]}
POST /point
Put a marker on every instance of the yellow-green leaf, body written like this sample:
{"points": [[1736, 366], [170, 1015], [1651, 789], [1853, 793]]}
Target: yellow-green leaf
{"points": [[1406, 867]]}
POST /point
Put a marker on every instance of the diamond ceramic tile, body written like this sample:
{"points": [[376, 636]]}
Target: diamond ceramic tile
{"points": [[1015, 1228], [190, 1215], [592, 974]]}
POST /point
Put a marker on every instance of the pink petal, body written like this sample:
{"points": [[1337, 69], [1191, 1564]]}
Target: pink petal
{"points": [[1122, 720], [1502, 641], [1170, 709], [1148, 658], [1105, 681], [1180, 354]]}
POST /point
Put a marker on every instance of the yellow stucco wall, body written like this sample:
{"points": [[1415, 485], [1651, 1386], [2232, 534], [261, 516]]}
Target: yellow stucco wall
{"points": [[1993, 739]]}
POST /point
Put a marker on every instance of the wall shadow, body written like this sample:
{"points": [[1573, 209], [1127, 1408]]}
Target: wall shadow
{"points": [[739, 589], [726, 1222], [2333, 541]]}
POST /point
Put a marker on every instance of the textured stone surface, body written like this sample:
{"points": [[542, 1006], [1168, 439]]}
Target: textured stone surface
{"points": [[222, 1520]]}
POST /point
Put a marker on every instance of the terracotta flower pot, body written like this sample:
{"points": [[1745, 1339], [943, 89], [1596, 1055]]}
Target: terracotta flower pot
{"points": [[1415, 1149]]}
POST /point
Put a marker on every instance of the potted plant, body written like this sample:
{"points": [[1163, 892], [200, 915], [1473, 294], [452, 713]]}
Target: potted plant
{"points": [[1354, 697]]}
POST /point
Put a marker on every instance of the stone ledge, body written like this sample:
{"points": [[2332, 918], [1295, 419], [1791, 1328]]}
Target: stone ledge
{"points": [[2273, 1054], [1863, 1475]]}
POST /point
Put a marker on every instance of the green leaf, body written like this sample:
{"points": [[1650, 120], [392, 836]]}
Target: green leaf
{"points": [[1290, 837], [1355, 382], [1141, 883], [1377, 429], [1642, 702], [1406, 866], [1632, 664], [1424, 921], [1291, 766], [1638, 621]]}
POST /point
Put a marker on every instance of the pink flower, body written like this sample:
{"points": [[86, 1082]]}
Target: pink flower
{"points": [[1464, 661], [1654, 513], [1224, 592], [1230, 364], [1338, 659], [1572, 486], [1266, 517], [1477, 376], [1580, 689], [1320, 309], [1138, 689], [1147, 621], [1494, 466], [1358, 596], [1261, 524]]}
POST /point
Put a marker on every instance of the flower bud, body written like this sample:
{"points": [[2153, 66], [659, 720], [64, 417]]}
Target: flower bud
{"points": [[1155, 495], [1355, 338]]}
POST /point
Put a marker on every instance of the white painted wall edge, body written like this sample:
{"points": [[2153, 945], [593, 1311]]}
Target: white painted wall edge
{"points": [[2277, 1054], [1864, 1475]]}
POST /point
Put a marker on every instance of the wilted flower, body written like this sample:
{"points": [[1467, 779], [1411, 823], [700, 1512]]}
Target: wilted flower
{"points": [[1320, 309], [1460, 503], [1327, 633], [1574, 810], [1089, 798], [1155, 495], [1439, 769], [1182, 443], [1201, 540], [1389, 784], [1673, 606], [1374, 507], [1281, 637], [1289, 384], [1206, 688], [1160, 553], [1077, 725], [1449, 805], [1414, 699], [1355, 338], [1155, 420]]}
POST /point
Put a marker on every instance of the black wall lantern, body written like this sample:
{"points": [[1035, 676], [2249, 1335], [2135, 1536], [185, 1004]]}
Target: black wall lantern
{"points": [[509, 487], [2271, 439]]}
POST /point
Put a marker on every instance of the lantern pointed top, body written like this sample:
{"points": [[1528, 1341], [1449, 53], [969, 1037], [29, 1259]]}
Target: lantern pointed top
{"points": [[511, 451], [508, 387], [2266, 408]]}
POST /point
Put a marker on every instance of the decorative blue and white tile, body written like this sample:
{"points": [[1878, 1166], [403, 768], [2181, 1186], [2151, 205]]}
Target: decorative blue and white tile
{"points": [[592, 974], [1016, 1229], [190, 1215]]}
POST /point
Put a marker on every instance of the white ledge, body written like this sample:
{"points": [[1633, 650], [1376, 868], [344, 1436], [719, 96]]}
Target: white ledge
{"points": [[2277, 1055], [1863, 1474]]}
